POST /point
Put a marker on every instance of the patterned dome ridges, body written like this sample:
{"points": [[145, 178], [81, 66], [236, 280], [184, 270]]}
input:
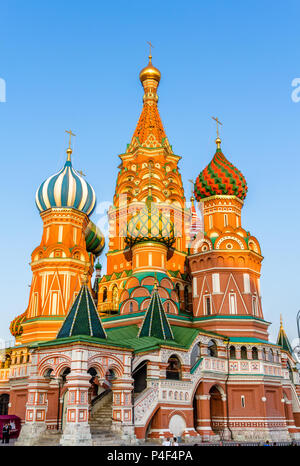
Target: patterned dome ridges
{"points": [[66, 189], [150, 224], [94, 239], [220, 177]]}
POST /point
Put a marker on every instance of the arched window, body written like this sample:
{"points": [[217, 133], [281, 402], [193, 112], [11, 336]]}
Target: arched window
{"points": [[244, 352], [178, 291], [195, 354], [48, 373], [264, 355], [232, 353], [131, 306], [254, 353], [173, 370], [4, 400], [288, 366], [271, 355], [212, 349], [115, 298], [104, 296], [186, 297], [168, 308], [64, 374]]}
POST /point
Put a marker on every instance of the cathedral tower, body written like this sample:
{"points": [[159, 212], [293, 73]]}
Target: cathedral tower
{"points": [[149, 159], [226, 259], [69, 243]]}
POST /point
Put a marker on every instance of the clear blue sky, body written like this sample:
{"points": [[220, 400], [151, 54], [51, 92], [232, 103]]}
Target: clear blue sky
{"points": [[75, 64]]}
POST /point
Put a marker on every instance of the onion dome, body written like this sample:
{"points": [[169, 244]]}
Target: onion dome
{"points": [[94, 239], [16, 328], [66, 189], [220, 177], [150, 224], [98, 266], [150, 72]]}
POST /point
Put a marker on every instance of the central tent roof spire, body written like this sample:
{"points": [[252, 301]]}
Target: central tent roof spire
{"points": [[149, 132]]}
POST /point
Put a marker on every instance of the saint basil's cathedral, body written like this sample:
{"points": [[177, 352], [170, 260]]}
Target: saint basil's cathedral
{"points": [[172, 339]]}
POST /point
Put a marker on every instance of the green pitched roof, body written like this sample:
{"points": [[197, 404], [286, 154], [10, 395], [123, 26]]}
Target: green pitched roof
{"points": [[82, 318], [155, 323], [282, 339]]}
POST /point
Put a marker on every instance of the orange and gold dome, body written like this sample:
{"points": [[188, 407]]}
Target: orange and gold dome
{"points": [[150, 72]]}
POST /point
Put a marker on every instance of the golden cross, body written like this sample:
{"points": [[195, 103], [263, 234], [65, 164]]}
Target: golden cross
{"points": [[150, 45], [71, 134], [218, 123], [81, 173]]}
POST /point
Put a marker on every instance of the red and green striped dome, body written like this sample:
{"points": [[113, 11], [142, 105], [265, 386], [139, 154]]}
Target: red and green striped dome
{"points": [[220, 177]]}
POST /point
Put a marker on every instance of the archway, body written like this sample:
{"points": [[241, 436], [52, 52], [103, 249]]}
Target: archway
{"points": [[216, 410], [173, 370], [4, 400], [140, 377]]}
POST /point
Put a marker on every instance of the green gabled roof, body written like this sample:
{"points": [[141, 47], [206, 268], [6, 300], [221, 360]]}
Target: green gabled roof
{"points": [[282, 339], [83, 318], [125, 337], [155, 323]]}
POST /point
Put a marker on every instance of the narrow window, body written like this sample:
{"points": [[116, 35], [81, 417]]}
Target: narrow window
{"points": [[246, 283], [60, 233], [54, 304], [244, 352], [130, 307], [243, 401], [232, 303], [216, 282], [210, 221], [232, 353], [254, 306], [207, 305], [225, 220]]}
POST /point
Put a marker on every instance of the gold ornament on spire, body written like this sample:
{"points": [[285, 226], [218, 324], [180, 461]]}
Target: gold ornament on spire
{"points": [[218, 140], [192, 190], [69, 150], [150, 72]]}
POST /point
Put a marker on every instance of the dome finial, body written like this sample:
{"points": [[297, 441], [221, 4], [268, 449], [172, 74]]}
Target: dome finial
{"points": [[150, 72], [69, 150], [218, 140], [150, 55]]}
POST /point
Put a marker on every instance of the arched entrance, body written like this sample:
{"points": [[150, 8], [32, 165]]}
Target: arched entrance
{"points": [[140, 377], [216, 410], [4, 400]]}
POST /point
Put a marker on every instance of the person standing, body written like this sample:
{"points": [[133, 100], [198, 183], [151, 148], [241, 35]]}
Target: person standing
{"points": [[4, 433], [166, 442], [8, 433], [175, 443]]}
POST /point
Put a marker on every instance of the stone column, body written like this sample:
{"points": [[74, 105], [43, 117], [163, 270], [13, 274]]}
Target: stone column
{"points": [[77, 428], [226, 431], [36, 409], [203, 416], [122, 411]]}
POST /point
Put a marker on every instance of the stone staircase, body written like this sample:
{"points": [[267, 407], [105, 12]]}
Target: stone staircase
{"points": [[101, 423], [49, 438]]}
